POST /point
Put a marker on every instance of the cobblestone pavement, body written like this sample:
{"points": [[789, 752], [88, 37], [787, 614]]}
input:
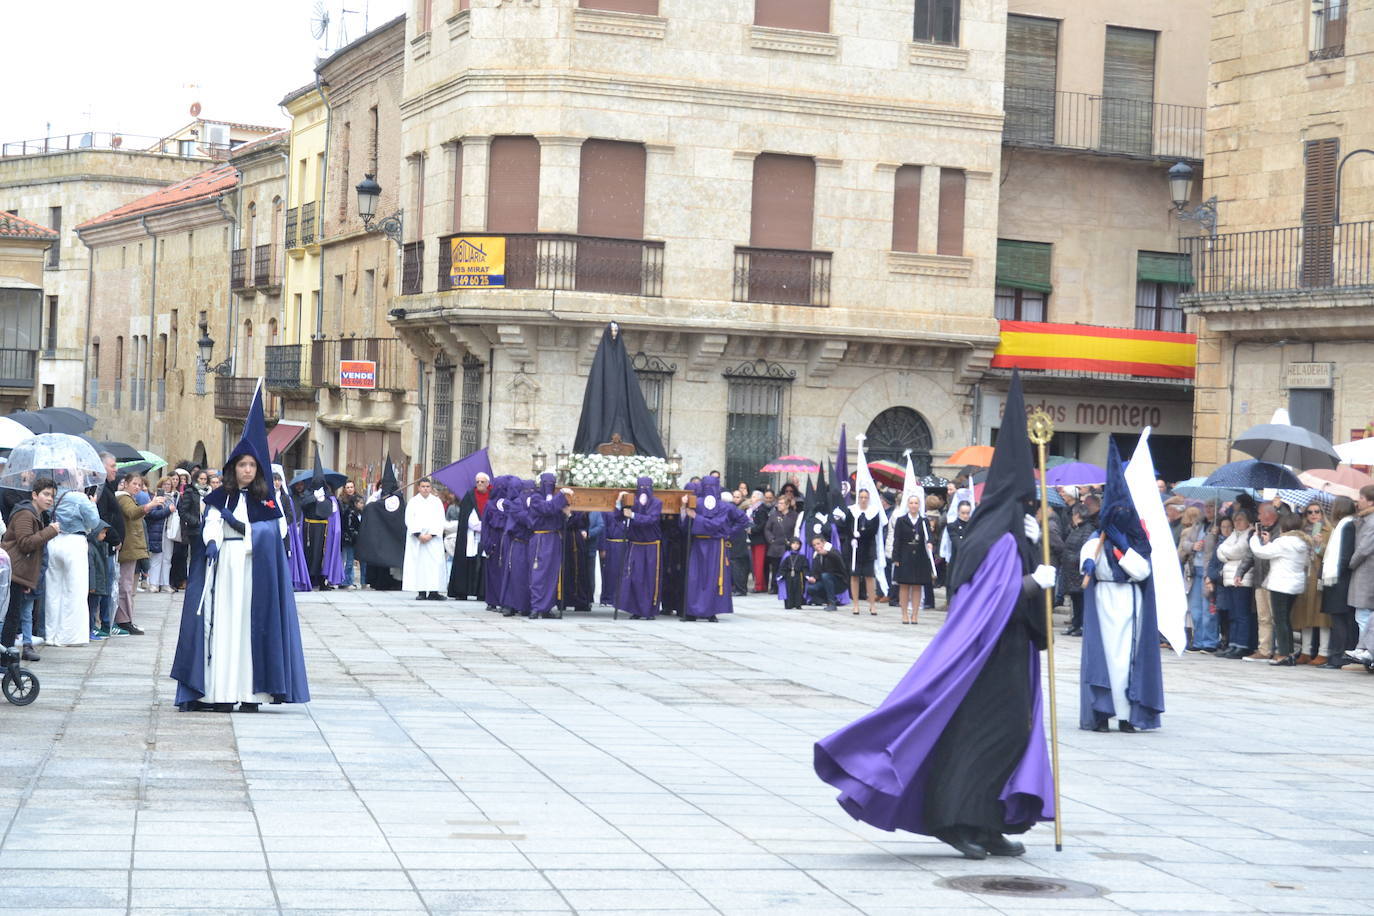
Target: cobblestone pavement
{"points": [[456, 761]]}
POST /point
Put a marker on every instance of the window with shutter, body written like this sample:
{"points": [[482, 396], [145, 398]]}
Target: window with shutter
{"points": [[1023, 265], [906, 209], [950, 235], [610, 199], [1032, 62], [806, 15], [1128, 90], [513, 185], [937, 21], [1319, 210], [783, 201], [647, 7]]}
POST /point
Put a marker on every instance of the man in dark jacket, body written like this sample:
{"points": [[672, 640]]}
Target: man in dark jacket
{"points": [[25, 540], [827, 571], [758, 539], [107, 505]]}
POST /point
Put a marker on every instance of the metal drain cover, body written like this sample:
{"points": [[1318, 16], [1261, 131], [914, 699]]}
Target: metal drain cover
{"points": [[1020, 886]]}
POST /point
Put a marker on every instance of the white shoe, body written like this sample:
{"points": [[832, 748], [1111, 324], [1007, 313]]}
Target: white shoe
{"points": [[38, 641], [1361, 655]]}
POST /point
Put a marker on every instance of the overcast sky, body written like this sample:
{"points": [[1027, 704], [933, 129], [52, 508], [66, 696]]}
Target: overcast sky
{"points": [[135, 66]]}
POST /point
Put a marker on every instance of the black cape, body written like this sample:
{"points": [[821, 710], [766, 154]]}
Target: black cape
{"points": [[381, 540], [612, 403], [467, 578]]}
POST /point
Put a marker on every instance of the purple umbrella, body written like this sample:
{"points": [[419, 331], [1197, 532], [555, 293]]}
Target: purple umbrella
{"points": [[1075, 474]]}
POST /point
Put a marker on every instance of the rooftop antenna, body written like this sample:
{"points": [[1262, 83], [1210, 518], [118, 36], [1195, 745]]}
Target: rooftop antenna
{"points": [[319, 23], [344, 13]]}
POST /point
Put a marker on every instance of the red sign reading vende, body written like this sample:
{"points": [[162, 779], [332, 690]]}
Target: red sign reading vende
{"points": [[357, 373]]}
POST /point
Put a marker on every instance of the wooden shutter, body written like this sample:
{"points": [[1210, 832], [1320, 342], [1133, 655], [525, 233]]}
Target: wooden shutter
{"points": [[783, 201], [648, 7], [1319, 210], [906, 209], [1032, 62], [1023, 265], [950, 235], [1128, 90], [513, 185], [1164, 267], [610, 200], [807, 15]]}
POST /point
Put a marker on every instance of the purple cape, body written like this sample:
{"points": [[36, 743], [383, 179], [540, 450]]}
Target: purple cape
{"points": [[880, 762], [333, 568], [545, 549], [298, 563], [709, 585]]}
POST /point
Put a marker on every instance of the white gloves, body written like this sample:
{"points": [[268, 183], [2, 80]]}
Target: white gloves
{"points": [[320, 494], [1033, 529], [1045, 576]]}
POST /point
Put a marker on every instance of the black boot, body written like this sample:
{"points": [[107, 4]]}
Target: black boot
{"points": [[963, 841], [998, 845], [1125, 726]]}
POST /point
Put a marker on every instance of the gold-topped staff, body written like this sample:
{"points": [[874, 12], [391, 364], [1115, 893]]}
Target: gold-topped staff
{"points": [[1040, 429]]}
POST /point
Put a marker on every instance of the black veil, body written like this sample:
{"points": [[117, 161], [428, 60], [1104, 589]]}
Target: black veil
{"points": [[612, 402]]}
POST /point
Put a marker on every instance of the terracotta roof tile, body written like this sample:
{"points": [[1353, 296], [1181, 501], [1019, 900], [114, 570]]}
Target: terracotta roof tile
{"points": [[261, 141], [16, 227], [209, 183]]}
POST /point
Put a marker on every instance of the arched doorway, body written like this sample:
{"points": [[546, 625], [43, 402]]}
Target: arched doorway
{"points": [[894, 431], [198, 454]]}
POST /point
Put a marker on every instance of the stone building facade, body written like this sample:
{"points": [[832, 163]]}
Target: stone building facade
{"points": [[791, 210], [1282, 292], [24, 247], [1101, 100], [60, 188]]}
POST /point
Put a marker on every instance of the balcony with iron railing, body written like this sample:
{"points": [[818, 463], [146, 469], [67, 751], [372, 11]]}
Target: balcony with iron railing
{"points": [[265, 276], [238, 269], [307, 224], [782, 277], [1293, 260], [288, 372], [394, 363], [412, 268], [233, 397], [18, 368], [289, 237], [1051, 119], [595, 264]]}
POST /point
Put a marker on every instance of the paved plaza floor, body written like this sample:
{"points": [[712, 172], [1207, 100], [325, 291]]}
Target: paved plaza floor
{"points": [[456, 761]]}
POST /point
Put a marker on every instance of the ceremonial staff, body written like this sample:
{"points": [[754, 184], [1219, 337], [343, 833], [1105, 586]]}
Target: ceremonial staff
{"points": [[1040, 429]]}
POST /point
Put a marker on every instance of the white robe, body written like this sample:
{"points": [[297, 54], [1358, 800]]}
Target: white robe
{"points": [[424, 569], [1118, 606], [229, 610]]}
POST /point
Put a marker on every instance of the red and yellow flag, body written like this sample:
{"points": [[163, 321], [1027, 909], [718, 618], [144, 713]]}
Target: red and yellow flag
{"points": [[1092, 348]]}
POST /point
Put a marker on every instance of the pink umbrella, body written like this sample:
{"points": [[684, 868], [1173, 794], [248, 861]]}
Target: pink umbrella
{"points": [[790, 464]]}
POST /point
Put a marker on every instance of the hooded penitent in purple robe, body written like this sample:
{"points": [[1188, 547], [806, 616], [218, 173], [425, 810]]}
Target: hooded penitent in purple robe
{"points": [[515, 595], [546, 521], [298, 562], [708, 568], [957, 750], [638, 594], [614, 543], [492, 541]]}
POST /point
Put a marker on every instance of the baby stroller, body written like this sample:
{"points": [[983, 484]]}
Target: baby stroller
{"points": [[19, 684]]}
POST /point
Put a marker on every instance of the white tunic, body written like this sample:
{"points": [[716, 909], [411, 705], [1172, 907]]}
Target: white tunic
{"points": [[1118, 604], [424, 569], [227, 604]]}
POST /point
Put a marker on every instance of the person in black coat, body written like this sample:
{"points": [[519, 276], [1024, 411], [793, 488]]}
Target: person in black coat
{"points": [[792, 571], [1070, 579], [1336, 572], [911, 564]]}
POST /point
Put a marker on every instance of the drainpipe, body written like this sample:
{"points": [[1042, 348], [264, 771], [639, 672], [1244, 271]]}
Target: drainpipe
{"points": [[90, 305], [152, 320], [319, 205]]}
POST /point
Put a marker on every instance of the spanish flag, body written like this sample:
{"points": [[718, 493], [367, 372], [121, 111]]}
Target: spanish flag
{"points": [[1092, 348]]}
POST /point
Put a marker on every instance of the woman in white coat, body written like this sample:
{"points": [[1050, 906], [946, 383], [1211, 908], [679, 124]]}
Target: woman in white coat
{"points": [[1287, 555]]}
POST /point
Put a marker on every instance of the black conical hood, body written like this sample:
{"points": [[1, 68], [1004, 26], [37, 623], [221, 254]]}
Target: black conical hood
{"points": [[1009, 489], [318, 480], [388, 483]]}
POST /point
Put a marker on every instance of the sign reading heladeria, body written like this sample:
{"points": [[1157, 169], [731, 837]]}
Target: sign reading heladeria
{"points": [[357, 373], [1310, 375]]}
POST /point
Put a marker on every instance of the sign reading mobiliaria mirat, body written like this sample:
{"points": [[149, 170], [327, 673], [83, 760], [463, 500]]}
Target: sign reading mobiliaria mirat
{"points": [[478, 261]]}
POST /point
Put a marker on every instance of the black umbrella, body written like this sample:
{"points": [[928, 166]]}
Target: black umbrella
{"points": [[1254, 474], [1283, 443], [48, 420], [122, 451], [305, 475], [79, 415]]}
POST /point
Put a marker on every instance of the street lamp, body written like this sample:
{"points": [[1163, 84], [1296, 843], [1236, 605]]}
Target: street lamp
{"points": [[539, 462], [1181, 191], [368, 194], [674, 466], [206, 348]]}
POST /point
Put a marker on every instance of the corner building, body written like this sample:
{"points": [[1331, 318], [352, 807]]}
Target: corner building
{"points": [[789, 207]]}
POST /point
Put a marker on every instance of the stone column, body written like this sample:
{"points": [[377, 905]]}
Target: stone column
{"points": [[560, 167], [476, 158]]}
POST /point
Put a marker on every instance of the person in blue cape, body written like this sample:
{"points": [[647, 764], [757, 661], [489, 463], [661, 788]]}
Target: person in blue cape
{"points": [[240, 639], [612, 550], [493, 539], [957, 751], [638, 594], [1120, 675], [711, 524]]}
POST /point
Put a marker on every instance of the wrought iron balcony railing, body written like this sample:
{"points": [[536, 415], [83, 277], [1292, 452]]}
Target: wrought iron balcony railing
{"points": [[233, 397], [630, 267], [394, 363], [238, 268], [412, 268], [17, 367], [1293, 259], [782, 277], [307, 224], [264, 269], [1050, 119], [292, 225], [287, 371]]}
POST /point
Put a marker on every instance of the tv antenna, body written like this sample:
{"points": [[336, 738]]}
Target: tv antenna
{"points": [[319, 22]]}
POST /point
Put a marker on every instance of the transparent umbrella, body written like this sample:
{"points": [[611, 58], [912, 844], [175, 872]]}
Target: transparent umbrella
{"points": [[70, 460]]}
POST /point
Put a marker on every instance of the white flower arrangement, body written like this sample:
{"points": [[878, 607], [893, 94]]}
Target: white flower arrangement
{"points": [[616, 471]]}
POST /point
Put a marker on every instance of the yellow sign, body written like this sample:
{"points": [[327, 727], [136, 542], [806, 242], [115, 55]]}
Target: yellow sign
{"points": [[477, 261]]}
